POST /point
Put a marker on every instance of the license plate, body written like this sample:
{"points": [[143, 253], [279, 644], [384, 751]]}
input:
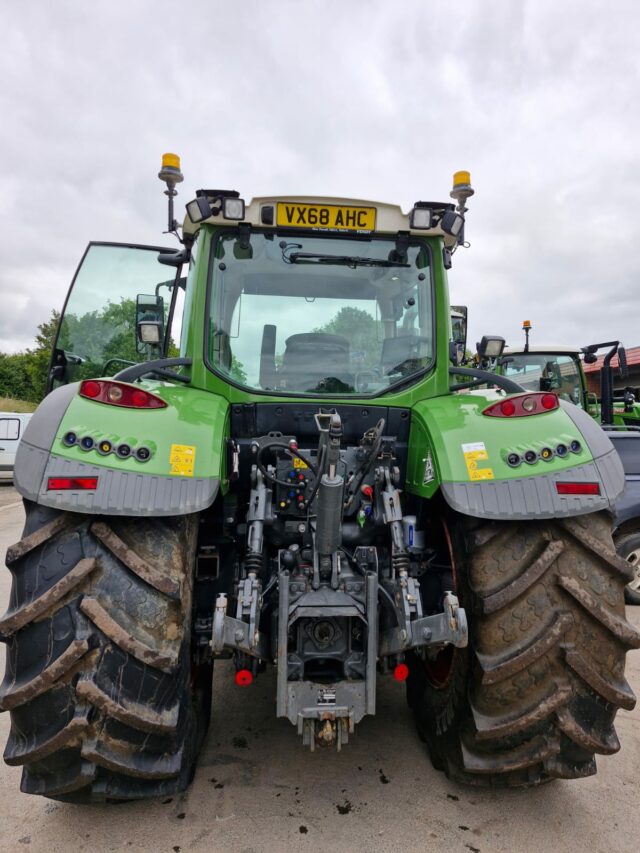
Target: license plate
{"points": [[332, 217]]}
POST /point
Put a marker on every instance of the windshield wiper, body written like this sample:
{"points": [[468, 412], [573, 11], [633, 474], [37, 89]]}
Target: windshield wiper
{"points": [[339, 260]]}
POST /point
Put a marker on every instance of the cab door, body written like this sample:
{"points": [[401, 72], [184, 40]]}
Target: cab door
{"points": [[98, 330]]}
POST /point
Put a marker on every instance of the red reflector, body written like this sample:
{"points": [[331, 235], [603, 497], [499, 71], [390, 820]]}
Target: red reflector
{"points": [[507, 408], [401, 672], [243, 678], [578, 488], [119, 394], [549, 401], [63, 484]]}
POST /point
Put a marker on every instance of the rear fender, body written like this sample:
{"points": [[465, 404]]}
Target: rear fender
{"points": [[184, 470], [468, 454]]}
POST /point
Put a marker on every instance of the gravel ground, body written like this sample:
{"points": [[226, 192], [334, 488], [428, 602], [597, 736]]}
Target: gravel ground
{"points": [[256, 789]]}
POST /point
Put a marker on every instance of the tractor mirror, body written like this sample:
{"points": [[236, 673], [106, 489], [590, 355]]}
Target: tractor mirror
{"points": [[459, 325], [149, 321], [622, 361]]}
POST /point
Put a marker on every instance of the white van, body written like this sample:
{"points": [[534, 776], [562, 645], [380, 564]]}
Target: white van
{"points": [[12, 426]]}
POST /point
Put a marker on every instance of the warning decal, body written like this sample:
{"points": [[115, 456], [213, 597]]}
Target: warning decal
{"points": [[182, 459], [474, 455]]}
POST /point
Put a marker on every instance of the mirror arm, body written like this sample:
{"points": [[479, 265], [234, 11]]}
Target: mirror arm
{"points": [[494, 378], [137, 371]]}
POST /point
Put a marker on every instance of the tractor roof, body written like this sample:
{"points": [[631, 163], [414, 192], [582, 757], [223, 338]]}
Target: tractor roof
{"points": [[537, 350], [389, 218]]}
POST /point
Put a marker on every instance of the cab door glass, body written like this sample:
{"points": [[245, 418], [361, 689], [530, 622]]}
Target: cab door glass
{"points": [[97, 335]]}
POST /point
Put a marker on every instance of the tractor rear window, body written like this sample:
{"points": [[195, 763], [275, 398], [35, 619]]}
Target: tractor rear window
{"points": [[319, 315]]}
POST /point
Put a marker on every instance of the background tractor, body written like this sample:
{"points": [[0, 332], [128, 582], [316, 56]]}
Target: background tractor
{"points": [[560, 369], [266, 460]]}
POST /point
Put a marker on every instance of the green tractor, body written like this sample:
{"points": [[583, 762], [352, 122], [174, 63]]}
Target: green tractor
{"points": [[560, 369], [266, 460]]}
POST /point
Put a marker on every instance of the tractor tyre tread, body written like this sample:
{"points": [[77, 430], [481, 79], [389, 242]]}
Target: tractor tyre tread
{"points": [[98, 673], [535, 695]]}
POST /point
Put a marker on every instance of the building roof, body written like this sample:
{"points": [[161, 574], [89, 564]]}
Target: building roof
{"points": [[633, 359]]}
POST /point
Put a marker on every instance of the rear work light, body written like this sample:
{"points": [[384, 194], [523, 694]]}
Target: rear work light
{"points": [[63, 484], [119, 394], [578, 488], [522, 405]]}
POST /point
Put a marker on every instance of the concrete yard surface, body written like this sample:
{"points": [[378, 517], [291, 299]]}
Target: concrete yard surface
{"points": [[8, 497], [257, 789]]}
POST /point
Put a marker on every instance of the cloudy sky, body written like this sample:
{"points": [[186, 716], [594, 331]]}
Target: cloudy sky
{"points": [[540, 100]]}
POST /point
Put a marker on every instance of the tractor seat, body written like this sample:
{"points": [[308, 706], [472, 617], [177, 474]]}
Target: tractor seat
{"points": [[310, 357], [399, 355]]}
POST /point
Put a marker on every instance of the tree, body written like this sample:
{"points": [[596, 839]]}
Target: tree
{"points": [[360, 328], [38, 359]]}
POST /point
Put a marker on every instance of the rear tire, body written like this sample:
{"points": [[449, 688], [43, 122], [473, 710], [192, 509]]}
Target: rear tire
{"points": [[534, 695], [104, 702], [628, 547]]}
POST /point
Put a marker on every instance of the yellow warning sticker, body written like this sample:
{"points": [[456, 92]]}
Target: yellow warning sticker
{"points": [[475, 453], [298, 463], [182, 460]]}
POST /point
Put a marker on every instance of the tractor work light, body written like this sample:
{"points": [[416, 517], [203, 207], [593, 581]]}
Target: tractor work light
{"points": [[233, 208], [491, 346], [199, 209], [452, 223], [535, 403], [150, 332], [103, 391], [421, 217]]}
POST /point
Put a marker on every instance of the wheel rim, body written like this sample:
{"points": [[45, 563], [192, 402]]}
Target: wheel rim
{"points": [[633, 558], [440, 669]]}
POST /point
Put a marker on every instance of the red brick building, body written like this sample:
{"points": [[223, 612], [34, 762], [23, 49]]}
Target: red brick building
{"points": [[592, 371]]}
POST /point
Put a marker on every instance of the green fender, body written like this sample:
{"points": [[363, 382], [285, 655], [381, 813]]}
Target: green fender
{"points": [[183, 472], [454, 447]]}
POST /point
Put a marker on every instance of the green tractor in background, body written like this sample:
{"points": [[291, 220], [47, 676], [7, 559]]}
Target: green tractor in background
{"points": [[560, 369], [266, 460]]}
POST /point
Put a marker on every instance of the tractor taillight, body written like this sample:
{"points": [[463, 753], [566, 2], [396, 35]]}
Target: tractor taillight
{"points": [[524, 404], [578, 488], [64, 484], [119, 394]]}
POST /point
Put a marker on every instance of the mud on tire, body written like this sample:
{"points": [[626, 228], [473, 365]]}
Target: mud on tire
{"points": [[535, 694], [98, 678]]}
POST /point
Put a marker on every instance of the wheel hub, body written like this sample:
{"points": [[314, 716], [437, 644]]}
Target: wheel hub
{"points": [[634, 561]]}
